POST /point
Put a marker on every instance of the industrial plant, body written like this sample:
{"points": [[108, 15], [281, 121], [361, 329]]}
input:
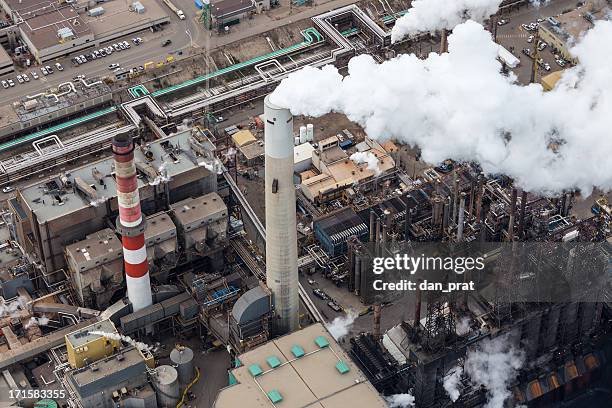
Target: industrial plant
{"points": [[305, 215]]}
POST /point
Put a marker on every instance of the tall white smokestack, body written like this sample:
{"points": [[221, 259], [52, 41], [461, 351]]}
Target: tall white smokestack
{"points": [[281, 235]]}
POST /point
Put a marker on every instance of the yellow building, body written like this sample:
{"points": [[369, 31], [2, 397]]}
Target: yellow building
{"points": [[562, 31], [83, 347], [243, 137], [549, 81]]}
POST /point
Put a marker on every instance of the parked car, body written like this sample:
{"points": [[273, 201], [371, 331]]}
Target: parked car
{"points": [[11, 83], [25, 77], [113, 66], [8, 189], [166, 42], [34, 75], [4, 84], [44, 71], [59, 66], [334, 306], [49, 69], [20, 79]]}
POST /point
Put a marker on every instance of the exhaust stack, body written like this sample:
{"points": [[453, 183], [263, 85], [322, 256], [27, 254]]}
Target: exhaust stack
{"points": [[281, 234], [131, 224]]}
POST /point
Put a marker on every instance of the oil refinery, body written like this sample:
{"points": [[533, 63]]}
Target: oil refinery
{"points": [[385, 203]]}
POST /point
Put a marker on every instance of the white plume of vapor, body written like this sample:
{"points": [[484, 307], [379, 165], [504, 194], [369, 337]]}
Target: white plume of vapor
{"points": [[400, 401], [458, 105], [494, 364], [369, 158], [116, 336], [163, 174], [341, 325], [11, 308], [451, 383], [97, 201], [432, 15], [38, 321]]}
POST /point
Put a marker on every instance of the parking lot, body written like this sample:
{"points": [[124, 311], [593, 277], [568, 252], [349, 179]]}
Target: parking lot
{"points": [[514, 36]]}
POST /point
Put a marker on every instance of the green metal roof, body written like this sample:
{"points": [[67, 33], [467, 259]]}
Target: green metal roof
{"points": [[255, 370], [321, 342], [297, 351], [342, 367], [275, 396], [232, 379], [273, 361]]}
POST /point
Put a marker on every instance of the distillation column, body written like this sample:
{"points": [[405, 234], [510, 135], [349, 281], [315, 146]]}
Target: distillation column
{"points": [[281, 235], [131, 224]]}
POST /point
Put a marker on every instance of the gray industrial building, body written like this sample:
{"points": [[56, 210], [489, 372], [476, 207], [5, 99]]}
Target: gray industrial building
{"points": [[122, 376], [55, 29], [64, 209]]}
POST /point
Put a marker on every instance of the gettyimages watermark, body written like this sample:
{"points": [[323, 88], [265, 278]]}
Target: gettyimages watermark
{"points": [[517, 272]]}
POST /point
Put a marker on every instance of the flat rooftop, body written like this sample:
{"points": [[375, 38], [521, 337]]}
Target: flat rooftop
{"points": [[5, 59], [118, 17], [306, 368], [43, 19], [109, 371], [48, 201], [82, 336]]}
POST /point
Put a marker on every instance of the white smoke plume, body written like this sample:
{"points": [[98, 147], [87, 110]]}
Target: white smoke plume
{"points": [[369, 158], [341, 325], [163, 174], [116, 336], [495, 365], [400, 401], [11, 308], [458, 105], [97, 201], [452, 381], [463, 326], [432, 15], [38, 321]]}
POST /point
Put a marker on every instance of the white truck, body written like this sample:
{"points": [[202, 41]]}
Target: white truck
{"points": [[175, 9], [507, 57]]}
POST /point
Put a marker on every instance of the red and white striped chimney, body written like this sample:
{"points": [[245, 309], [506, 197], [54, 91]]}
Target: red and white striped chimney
{"points": [[131, 224]]}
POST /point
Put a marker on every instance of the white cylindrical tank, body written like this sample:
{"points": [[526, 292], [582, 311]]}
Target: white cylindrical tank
{"points": [[281, 234], [182, 359], [303, 134], [167, 386], [309, 132], [296, 140]]}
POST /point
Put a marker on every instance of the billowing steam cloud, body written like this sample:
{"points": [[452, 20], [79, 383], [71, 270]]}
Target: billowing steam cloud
{"points": [[36, 321], [400, 401], [432, 15], [494, 364], [369, 158], [451, 383], [116, 336], [341, 326], [458, 105], [12, 308]]}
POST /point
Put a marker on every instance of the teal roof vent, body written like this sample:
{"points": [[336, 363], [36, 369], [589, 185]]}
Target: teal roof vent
{"points": [[297, 351], [273, 361], [321, 342], [275, 396], [342, 367], [255, 370]]}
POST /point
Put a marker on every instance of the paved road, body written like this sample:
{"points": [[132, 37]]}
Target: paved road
{"points": [[150, 50], [513, 35]]}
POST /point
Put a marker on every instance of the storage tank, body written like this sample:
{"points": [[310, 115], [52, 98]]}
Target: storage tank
{"points": [[309, 132], [302, 134], [182, 358], [296, 141], [167, 386]]}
